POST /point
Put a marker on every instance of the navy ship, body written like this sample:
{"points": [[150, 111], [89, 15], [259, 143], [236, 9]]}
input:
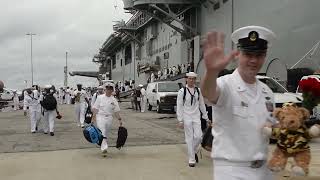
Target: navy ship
{"points": [[163, 35]]}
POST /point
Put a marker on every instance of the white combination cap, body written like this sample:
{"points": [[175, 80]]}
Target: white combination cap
{"points": [[140, 85], [253, 38]]}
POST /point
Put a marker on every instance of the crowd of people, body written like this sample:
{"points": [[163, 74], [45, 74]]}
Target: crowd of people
{"points": [[171, 72]]}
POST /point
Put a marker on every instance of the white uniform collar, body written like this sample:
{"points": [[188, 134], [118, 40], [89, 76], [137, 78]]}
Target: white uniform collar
{"points": [[240, 84], [241, 87]]}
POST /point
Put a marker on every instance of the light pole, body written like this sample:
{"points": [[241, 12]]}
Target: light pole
{"points": [[30, 34], [66, 71]]}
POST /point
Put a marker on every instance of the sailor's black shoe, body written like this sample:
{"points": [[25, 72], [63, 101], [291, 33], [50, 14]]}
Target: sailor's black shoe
{"points": [[196, 157]]}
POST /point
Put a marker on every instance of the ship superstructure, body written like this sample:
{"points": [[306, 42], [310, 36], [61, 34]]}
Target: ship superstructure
{"points": [[162, 34]]}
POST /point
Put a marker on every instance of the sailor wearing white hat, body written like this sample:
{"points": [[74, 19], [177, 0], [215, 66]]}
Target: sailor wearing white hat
{"points": [[49, 108], [81, 102], [189, 104], [143, 98], [61, 93], [15, 100], [32, 102], [240, 104], [103, 109], [67, 96], [96, 94]]}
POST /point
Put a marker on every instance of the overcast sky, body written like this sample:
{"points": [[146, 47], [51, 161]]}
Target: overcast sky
{"points": [[77, 26]]}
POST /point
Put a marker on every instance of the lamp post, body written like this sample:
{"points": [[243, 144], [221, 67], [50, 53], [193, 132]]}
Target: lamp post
{"points": [[66, 71], [31, 34]]}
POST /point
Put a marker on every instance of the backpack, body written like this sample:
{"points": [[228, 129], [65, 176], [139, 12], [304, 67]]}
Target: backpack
{"points": [[93, 134], [49, 102], [185, 93]]}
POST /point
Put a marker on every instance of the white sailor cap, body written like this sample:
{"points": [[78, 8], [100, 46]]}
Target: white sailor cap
{"points": [[48, 86], [253, 38], [108, 84], [140, 85], [100, 87], [191, 74]]}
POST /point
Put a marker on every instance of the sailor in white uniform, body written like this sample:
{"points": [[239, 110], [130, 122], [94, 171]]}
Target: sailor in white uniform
{"points": [[242, 104], [96, 94], [67, 98], [81, 103], [189, 104], [143, 97], [32, 102], [49, 115], [15, 100], [61, 94], [103, 109]]}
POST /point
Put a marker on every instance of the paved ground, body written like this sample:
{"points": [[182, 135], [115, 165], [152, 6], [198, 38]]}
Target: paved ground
{"points": [[147, 128], [154, 150]]}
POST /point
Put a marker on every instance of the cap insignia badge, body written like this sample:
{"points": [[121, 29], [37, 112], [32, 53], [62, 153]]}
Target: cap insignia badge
{"points": [[253, 36]]}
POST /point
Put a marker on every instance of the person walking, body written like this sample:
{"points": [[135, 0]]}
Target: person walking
{"points": [[189, 105], [143, 98], [67, 96], [15, 100], [81, 102], [104, 108], [96, 94], [32, 102], [49, 109]]}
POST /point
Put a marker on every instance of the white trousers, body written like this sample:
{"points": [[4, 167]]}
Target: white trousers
{"points": [[193, 137], [35, 117], [104, 124], [238, 172], [61, 99], [15, 106], [16, 103], [67, 99], [143, 104], [49, 117], [80, 109]]}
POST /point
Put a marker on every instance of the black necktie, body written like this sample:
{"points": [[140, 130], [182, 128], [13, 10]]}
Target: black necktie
{"points": [[192, 96]]}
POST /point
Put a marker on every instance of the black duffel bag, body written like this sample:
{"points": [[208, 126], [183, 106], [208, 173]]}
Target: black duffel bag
{"points": [[122, 137], [207, 139], [88, 115]]}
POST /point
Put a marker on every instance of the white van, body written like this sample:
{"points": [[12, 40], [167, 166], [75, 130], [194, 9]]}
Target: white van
{"points": [[162, 95]]}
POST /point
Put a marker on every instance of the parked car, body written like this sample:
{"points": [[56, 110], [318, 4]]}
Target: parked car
{"points": [[6, 95], [281, 94], [162, 95]]}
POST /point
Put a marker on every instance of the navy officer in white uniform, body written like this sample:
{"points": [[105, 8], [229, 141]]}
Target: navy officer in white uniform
{"points": [[242, 104]]}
